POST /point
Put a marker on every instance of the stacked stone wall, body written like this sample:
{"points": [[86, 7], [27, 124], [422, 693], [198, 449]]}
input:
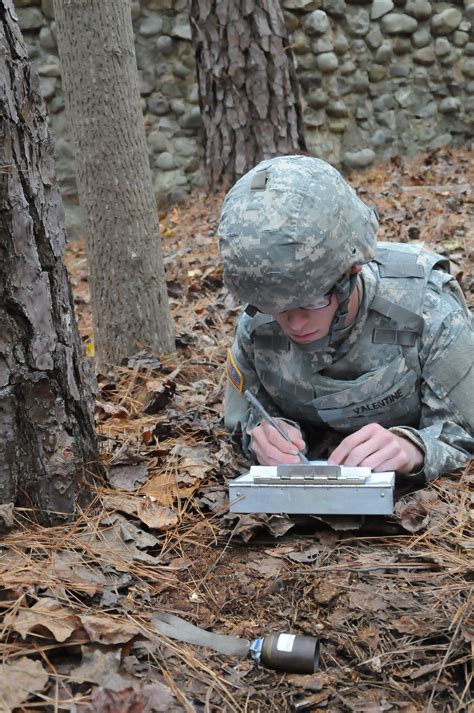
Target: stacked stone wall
{"points": [[378, 78]]}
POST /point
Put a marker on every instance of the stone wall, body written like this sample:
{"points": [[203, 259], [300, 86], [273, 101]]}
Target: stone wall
{"points": [[378, 78]]}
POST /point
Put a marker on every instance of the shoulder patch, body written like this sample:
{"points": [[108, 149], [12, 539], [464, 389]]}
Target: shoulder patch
{"points": [[234, 374]]}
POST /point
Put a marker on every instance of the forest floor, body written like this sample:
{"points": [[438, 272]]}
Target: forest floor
{"points": [[390, 601]]}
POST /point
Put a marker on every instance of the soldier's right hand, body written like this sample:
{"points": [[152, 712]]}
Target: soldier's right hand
{"points": [[270, 447]]}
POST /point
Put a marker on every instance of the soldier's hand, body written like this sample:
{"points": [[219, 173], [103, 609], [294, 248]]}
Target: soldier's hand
{"points": [[375, 447], [271, 448]]}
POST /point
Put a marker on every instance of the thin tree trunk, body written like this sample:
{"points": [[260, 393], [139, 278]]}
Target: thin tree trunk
{"points": [[47, 436], [100, 81], [248, 91]]}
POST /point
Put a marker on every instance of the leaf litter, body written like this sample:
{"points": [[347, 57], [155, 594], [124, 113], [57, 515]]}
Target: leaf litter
{"points": [[390, 600]]}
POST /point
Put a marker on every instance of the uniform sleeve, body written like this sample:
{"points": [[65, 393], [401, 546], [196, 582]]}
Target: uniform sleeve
{"points": [[239, 417], [446, 430]]}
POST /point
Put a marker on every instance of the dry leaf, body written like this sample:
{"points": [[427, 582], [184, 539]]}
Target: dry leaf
{"points": [[128, 477], [156, 516], [18, 680], [96, 665], [107, 630], [46, 616]]}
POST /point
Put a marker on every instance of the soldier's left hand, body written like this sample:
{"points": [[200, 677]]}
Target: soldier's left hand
{"points": [[375, 447]]}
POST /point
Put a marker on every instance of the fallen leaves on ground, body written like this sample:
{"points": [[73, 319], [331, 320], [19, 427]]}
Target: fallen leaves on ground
{"points": [[390, 599]]}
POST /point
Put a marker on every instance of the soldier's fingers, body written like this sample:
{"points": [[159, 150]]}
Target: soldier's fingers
{"points": [[277, 440], [388, 457], [346, 453], [267, 454]]}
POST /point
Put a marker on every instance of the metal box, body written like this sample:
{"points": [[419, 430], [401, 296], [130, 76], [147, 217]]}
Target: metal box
{"points": [[315, 488]]}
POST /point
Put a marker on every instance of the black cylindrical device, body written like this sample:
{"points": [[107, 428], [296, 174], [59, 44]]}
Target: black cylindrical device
{"points": [[292, 653]]}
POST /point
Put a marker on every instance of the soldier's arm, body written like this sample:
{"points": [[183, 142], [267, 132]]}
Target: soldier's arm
{"points": [[239, 417], [446, 429]]}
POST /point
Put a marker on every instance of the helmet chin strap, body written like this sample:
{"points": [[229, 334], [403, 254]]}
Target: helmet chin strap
{"points": [[344, 288]]}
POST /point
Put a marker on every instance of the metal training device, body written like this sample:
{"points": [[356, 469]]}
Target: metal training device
{"points": [[316, 488]]}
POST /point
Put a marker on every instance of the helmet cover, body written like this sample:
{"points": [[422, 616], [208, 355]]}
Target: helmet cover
{"points": [[289, 229]]}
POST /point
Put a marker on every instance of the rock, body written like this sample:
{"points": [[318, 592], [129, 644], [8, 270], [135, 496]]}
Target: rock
{"points": [[421, 9], [306, 61], [467, 68], [469, 49], [292, 21], [446, 22], [165, 161], [382, 138], [178, 106], [337, 126], [384, 53], [469, 87], [341, 44], [337, 109], [50, 67], [359, 159], [314, 119], [157, 141], [317, 99], [300, 42], [460, 39], [399, 69], [380, 8], [47, 39], [377, 72], [47, 88], [384, 102], [449, 105], [335, 8], [316, 23], [164, 44], [181, 28], [374, 38], [401, 45], [136, 10], [361, 82], [427, 110], [358, 23], [421, 38], [404, 97], [327, 62], [160, 4], [47, 9], [439, 141], [425, 56], [30, 18], [297, 4], [179, 70], [158, 105], [398, 24], [347, 68], [322, 44], [56, 104], [150, 26], [185, 147], [442, 46], [191, 120]]}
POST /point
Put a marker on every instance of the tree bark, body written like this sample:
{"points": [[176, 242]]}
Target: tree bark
{"points": [[248, 91], [100, 82], [47, 436]]}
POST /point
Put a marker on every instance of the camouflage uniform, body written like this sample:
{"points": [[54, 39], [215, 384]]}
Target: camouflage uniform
{"points": [[404, 363]]}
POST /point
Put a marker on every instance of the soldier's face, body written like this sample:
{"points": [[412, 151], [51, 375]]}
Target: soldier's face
{"points": [[306, 325]]}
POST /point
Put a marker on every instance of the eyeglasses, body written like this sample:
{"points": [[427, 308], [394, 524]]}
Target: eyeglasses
{"points": [[320, 302]]}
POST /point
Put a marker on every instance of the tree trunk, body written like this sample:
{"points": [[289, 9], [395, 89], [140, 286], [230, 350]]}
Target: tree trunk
{"points": [[100, 81], [248, 90], [47, 436]]}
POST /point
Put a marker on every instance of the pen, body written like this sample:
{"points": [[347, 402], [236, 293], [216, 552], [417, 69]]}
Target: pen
{"points": [[258, 406]]}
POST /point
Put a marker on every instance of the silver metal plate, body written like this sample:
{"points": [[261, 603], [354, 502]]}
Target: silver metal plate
{"points": [[315, 489]]}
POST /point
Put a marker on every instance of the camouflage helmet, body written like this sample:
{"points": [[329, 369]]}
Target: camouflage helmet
{"points": [[289, 230]]}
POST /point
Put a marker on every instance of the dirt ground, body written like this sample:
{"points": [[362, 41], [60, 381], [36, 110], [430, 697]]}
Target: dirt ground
{"points": [[391, 600]]}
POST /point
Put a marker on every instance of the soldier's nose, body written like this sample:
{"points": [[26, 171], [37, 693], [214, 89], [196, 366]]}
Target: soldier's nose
{"points": [[296, 318]]}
